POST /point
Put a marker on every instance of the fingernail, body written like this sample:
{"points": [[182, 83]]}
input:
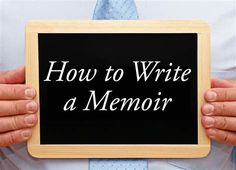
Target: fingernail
{"points": [[30, 93], [208, 109], [31, 107], [30, 119], [26, 133], [211, 96], [209, 121], [211, 132]]}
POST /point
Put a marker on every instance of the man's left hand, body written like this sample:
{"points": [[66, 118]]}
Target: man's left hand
{"points": [[219, 111]]}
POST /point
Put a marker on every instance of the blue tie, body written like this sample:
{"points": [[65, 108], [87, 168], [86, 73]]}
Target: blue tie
{"points": [[116, 10]]}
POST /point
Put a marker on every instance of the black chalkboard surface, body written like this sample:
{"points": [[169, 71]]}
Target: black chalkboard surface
{"points": [[118, 88], [100, 51]]}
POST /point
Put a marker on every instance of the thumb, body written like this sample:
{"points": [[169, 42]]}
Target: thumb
{"points": [[16, 76], [220, 83]]}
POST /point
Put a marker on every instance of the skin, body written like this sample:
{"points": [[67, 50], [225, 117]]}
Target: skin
{"points": [[18, 108], [219, 111]]}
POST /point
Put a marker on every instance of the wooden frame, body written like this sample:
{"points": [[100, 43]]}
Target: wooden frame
{"points": [[119, 151]]}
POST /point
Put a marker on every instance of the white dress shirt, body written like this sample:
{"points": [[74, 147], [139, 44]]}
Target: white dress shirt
{"points": [[221, 16]]}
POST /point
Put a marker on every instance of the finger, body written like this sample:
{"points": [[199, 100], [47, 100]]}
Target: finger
{"points": [[219, 83], [9, 108], [222, 136], [220, 94], [219, 122], [16, 76], [16, 91], [233, 81], [15, 137], [17, 122], [219, 109]]}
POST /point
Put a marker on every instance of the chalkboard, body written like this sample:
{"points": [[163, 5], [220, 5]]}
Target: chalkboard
{"points": [[129, 87]]}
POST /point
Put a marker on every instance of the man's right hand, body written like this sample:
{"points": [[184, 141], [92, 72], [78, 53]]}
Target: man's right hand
{"points": [[17, 108]]}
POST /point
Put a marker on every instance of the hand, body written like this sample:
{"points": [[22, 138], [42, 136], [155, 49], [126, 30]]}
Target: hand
{"points": [[219, 111], [17, 108]]}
